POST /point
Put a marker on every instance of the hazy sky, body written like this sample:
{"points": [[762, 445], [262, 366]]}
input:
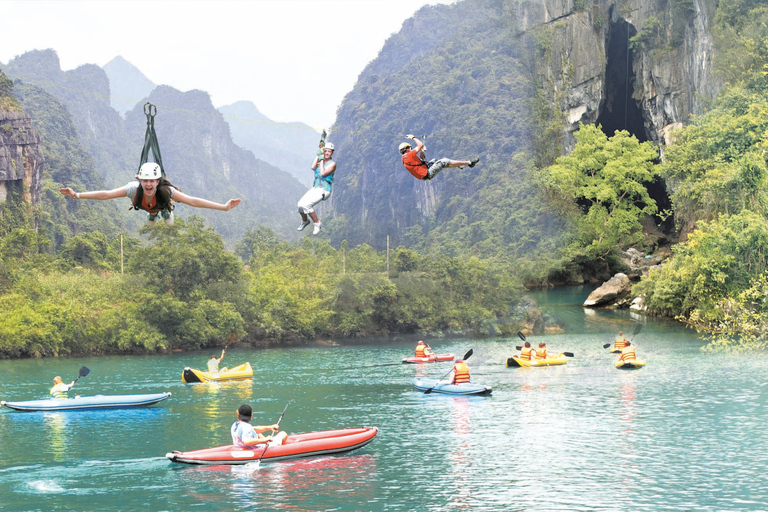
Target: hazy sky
{"points": [[294, 59]]}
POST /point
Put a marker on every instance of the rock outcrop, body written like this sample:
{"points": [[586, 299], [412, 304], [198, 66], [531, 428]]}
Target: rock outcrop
{"points": [[644, 65], [21, 158], [615, 293]]}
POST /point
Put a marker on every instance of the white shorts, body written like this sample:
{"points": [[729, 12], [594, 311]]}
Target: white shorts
{"points": [[311, 198]]}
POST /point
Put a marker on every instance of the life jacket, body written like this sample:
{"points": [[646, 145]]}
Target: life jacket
{"points": [[420, 351], [213, 365], [619, 343], [415, 165], [60, 391], [460, 373], [541, 353], [526, 353], [140, 204], [628, 354]]}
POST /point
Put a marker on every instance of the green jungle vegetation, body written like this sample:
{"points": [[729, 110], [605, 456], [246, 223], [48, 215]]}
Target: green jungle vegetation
{"points": [[180, 288], [184, 290]]}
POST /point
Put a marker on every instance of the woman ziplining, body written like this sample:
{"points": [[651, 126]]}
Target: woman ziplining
{"points": [[151, 191]]}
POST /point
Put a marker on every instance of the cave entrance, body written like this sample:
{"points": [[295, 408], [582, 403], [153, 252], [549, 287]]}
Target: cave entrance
{"points": [[619, 111]]}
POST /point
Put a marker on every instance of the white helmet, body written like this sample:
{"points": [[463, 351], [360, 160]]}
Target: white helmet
{"points": [[403, 146], [329, 145], [150, 171]]}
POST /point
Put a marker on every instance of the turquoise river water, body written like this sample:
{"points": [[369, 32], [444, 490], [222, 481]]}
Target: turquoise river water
{"points": [[687, 432]]}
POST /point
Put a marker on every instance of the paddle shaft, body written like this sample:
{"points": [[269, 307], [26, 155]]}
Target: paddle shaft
{"points": [[566, 354], [266, 445], [83, 372]]}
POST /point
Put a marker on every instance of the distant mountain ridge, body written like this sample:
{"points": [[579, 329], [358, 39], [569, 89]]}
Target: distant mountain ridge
{"points": [[290, 146], [128, 85]]}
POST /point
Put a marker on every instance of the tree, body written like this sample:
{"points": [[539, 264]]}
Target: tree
{"points": [[603, 179], [717, 164]]}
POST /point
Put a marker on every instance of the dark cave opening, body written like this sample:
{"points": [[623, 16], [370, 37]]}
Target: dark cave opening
{"points": [[620, 111]]}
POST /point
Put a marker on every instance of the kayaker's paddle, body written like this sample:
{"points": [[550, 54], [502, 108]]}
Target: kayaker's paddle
{"points": [[521, 336], [466, 356], [83, 372], [266, 445], [636, 331], [566, 354], [371, 366]]}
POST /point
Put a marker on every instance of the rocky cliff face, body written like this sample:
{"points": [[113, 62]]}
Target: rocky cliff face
{"points": [[509, 80], [640, 65], [21, 158]]}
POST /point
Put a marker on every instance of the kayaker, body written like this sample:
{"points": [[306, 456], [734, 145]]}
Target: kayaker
{"points": [[246, 435], [627, 353], [153, 193], [213, 362], [460, 373], [541, 352], [59, 389], [526, 352], [620, 342], [423, 350]]}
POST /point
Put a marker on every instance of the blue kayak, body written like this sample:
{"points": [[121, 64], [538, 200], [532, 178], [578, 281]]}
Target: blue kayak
{"points": [[467, 388], [88, 402]]}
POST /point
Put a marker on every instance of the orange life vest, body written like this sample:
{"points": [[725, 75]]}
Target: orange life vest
{"points": [[460, 373], [526, 353], [541, 353], [415, 165], [420, 351], [619, 343], [153, 206], [628, 354]]}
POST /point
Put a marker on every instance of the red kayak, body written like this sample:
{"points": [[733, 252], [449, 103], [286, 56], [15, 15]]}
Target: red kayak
{"points": [[310, 444], [434, 358]]}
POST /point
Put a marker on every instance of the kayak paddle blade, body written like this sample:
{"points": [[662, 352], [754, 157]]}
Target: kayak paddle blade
{"points": [[521, 336]]}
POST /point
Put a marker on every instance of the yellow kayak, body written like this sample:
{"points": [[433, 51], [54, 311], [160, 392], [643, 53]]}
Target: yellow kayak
{"points": [[630, 365], [244, 371], [516, 362]]}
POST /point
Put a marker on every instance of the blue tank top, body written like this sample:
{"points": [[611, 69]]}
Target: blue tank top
{"points": [[324, 181]]}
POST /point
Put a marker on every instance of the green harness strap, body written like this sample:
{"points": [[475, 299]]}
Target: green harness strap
{"points": [[150, 139]]}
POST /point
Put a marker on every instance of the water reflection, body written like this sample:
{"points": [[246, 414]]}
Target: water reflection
{"points": [[213, 410], [315, 481], [56, 426]]}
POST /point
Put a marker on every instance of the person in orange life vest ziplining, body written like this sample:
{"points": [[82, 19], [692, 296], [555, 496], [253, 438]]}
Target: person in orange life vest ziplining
{"points": [[526, 352], [422, 350], [246, 435], [321, 189], [627, 353], [59, 389], [413, 160], [459, 374], [152, 193]]}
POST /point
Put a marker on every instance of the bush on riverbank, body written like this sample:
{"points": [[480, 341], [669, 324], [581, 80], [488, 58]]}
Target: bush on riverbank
{"points": [[184, 290]]}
